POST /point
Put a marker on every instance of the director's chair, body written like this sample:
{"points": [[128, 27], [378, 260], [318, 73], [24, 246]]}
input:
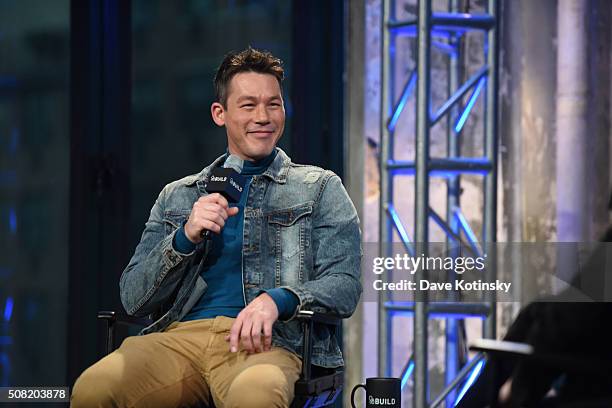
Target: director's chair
{"points": [[316, 387]]}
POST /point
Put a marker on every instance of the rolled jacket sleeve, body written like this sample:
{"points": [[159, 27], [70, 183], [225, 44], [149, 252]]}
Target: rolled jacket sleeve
{"points": [[286, 302]]}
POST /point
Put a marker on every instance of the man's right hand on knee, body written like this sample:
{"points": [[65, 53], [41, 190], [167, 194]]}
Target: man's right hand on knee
{"points": [[252, 329]]}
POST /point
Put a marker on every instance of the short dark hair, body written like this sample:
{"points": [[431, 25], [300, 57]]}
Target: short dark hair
{"points": [[248, 60]]}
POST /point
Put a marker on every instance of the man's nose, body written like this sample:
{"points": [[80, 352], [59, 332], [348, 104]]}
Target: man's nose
{"points": [[261, 115]]}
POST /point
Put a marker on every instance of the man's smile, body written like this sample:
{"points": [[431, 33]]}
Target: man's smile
{"points": [[261, 132]]}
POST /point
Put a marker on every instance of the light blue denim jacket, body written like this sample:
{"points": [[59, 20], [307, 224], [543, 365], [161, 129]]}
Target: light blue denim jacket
{"points": [[301, 232]]}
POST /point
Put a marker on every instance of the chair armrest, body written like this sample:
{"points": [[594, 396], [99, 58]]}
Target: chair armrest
{"points": [[113, 318], [318, 317], [523, 351], [308, 318], [502, 347], [332, 382]]}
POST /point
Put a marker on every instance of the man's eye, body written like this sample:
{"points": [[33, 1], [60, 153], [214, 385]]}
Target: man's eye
{"points": [[248, 105], [275, 104]]}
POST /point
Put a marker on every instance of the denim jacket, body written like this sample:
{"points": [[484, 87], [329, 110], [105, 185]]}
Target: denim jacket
{"points": [[301, 232]]}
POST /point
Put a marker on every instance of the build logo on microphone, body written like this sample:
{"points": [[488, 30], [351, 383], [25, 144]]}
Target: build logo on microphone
{"points": [[381, 401]]}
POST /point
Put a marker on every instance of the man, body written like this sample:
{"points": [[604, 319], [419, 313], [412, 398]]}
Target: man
{"points": [[225, 331]]}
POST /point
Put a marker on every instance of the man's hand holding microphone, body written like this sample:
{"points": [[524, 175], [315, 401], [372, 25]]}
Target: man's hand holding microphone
{"points": [[209, 213]]}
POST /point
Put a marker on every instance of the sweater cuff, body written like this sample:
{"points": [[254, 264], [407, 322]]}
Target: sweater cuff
{"points": [[286, 302], [181, 243]]}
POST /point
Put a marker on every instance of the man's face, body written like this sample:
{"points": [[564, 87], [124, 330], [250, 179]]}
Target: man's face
{"points": [[254, 117]]}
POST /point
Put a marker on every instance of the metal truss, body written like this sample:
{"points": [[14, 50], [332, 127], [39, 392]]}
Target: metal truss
{"points": [[442, 32]]}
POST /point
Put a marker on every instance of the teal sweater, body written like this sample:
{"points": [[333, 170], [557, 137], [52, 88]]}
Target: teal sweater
{"points": [[223, 266]]}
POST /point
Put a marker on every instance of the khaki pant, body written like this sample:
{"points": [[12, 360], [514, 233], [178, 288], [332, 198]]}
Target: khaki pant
{"points": [[188, 364]]}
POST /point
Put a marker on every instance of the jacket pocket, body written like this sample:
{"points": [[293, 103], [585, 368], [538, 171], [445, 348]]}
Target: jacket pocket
{"points": [[289, 232], [290, 229]]}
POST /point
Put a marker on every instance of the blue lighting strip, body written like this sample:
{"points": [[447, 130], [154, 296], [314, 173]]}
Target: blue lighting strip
{"points": [[399, 227], [8, 309], [408, 370], [468, 108], [459, 93], [468, 232], [397, 110], [441, 315], [411, 31], [473, 376], [451, 50], [12, 220], [443, 225], [443, 174]]}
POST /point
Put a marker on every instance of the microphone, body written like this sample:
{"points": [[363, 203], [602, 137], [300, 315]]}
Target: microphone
{"points": [[226, 181]]}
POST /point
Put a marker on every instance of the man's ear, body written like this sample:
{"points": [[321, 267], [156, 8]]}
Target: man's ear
{"points": [[218, 113]]}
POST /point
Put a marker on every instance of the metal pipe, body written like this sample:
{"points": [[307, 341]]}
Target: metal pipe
{"points": [[399, 227], [456, 97], [469, 106], [572, 127], [453, 189], [399, 107], [458, 239], [450, 21], [473, 309], [391, 75], [445, 48], [407, 372], [442, 174], [491, 146], [422, 196], [437, 33], [306, 368], [110, 336], [465, 227], [385, 185], [457, 164], [307, 344]]}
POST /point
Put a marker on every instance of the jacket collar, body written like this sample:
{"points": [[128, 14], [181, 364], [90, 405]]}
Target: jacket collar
{"points": [[276, 171]]}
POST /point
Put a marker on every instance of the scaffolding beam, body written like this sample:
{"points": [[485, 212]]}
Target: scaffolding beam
{"points": [[450, 26], [421, 196]]}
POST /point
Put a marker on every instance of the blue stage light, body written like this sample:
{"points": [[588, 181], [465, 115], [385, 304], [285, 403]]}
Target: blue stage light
{"points": [[12, 220], [8, 309], [468, 108], [407, 374], [473, 376], [397, 111]]}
